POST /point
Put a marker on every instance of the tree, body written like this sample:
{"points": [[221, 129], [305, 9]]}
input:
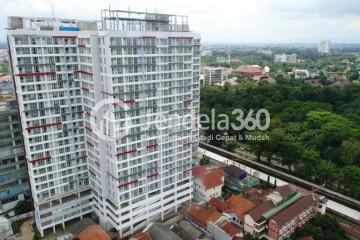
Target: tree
{"points": [[353, 74], [23, 207], [205, 160], [229, 145]]}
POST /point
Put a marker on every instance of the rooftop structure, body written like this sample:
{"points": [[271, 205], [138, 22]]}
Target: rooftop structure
{"points": [[120, 20]]}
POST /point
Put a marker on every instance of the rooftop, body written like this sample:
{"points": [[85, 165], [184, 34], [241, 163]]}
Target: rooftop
{"points": [[198, 170], [212, 179], [93, 232], [294, 209], [202, 215], [142, 21], [258, 211]]}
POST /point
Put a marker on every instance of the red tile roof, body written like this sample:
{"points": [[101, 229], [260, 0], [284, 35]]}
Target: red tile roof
{"points": [[202, 215], [141, 236], [259, 210], [219, 205], [294, 209], [240, 206], [250, 69], [93, 232], [231, 229], [284, 191], [211, 179], [198, 170]]}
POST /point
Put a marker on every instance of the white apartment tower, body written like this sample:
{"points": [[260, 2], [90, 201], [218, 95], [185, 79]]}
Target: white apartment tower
{"points": [[109, 114], [324, 47]]}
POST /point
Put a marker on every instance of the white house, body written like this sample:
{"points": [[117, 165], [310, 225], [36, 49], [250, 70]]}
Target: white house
{"points": [[207, 186]]}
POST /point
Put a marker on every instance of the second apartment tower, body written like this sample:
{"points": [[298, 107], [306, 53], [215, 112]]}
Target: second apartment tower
{"points": [[109, 114]]}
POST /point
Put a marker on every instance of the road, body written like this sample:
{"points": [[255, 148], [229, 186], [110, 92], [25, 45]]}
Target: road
{"points": [[333, 205]]}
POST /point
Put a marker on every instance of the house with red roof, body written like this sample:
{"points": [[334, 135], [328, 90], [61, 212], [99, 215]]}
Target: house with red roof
{"points": [[208, 185]]}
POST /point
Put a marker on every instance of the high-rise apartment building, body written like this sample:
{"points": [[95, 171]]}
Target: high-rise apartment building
{"points": [[13, 175], [109, 113], [214, 75], [324, 47]]}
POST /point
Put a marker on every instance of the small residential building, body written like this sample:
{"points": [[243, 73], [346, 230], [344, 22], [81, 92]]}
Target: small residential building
{"points": [[301, 74], [224, 230], [207, 186], [254, 222], [239, 206], [285, 58], [214, 75], [200, 216]]}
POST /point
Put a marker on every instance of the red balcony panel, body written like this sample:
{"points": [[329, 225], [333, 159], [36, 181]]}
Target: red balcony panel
{"points": [[124, 101], [187, 144], [152, 146], [126, 152], [35, 74], [188, 170], [39, 159], [43, 126], [81, 45], [62, 36], [92, 172], [153, 175], [128, 183], [83, 72], [188, 101], [85, 88], [89, 129]]}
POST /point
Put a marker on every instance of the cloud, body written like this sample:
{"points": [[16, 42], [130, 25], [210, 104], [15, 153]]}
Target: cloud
{"points": [[232, 21]]}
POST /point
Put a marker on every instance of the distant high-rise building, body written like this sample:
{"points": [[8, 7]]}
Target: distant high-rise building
{"points": [[97, 107], [324, 47], [284, 58], [213, 75], [14, 184]]}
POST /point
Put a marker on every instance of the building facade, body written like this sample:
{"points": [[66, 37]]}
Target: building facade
{"points": [[13, 174], [214, 75], [324, 47], [284, 58], [109, 115]]}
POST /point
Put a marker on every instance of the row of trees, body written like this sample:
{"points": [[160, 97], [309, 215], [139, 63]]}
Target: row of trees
{"points": [[314, 131]]}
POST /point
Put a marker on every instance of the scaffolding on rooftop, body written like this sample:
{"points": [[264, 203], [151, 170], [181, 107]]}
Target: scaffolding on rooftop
{"points": [[142, 21]]}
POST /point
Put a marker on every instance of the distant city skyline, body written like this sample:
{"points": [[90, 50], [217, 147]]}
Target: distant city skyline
{"points": [[227, 21]]}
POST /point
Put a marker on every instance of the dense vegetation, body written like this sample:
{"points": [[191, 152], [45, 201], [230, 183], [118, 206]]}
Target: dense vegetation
{"points": [[314, 131], [321, 227]]}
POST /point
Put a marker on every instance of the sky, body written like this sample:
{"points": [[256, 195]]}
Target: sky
{"points": [[220, 21]]}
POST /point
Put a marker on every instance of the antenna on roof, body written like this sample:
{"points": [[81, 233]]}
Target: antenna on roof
{"points": [[52, 9], [156, 6]]}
